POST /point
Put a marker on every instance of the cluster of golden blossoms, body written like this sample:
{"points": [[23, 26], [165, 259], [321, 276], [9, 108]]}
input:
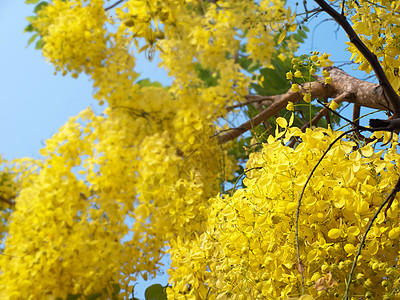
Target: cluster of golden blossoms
{"points": [[377, 24], [249, 248], [113, 191], [74, 35], [8, 191]]}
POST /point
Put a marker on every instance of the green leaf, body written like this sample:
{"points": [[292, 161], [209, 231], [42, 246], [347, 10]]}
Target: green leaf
{"points": [[116, 290], [40, 6], [248, 64], [302, 33], [31, 19], [73, 297], [93, 296], [32, 39], [147, 82], [39, 44], [275, 81], [298, 38], [31, 1], [29, 28], [155, 292], [207, 76]]}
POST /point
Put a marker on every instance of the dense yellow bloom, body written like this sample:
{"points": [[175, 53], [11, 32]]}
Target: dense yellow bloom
{"points": [[376, 22], [74, 34], [248, 250]]}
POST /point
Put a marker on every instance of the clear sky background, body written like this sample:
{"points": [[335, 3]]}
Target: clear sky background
{"points": [[35, 102]]}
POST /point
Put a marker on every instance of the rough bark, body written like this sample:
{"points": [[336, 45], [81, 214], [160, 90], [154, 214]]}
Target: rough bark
{"points": [[344, 88]]}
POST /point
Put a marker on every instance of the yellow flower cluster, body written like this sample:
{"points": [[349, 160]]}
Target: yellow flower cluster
{"points": [[309, 64], [111, 192], [249, 248], [376, 23], [9, 188], [74, 35]]}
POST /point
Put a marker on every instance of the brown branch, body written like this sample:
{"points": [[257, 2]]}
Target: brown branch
{"points": [[356, 121], [257, 99], [114, 5], [356, 114], [391, 94], [265, 114], [8, 201], [343, 88]]}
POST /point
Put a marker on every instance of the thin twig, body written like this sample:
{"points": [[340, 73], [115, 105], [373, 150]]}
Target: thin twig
{"points": [[359, 127], [232, 190], [268, 112], [299, 204], [114, 5]]}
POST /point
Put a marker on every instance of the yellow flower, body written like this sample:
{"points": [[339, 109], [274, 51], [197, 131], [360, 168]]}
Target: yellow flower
{"points": [[325, 73], [289, 75], [333, 105], [328, 80], [307, 97], [290, 106], [295, 87], [298, 74]]}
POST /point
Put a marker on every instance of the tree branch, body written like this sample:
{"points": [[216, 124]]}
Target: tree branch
{"points": [[251, 99], [114, 5], [391, 94], [8, 201], [343, 88], [356, 114]]}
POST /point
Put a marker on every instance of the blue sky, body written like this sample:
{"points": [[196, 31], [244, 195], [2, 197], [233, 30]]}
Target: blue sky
{"points": [[35, 102]]}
